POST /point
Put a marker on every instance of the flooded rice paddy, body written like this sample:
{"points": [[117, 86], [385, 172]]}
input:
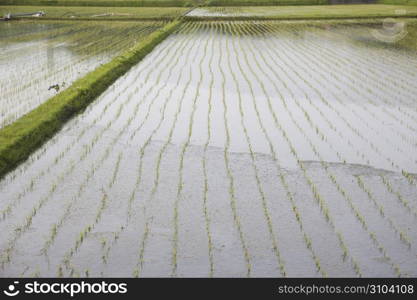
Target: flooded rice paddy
{"points": [[233, 149], [38, 59]]}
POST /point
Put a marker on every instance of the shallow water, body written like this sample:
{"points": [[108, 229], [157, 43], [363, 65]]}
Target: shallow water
{"points": [[36, 56], [234, 149]]}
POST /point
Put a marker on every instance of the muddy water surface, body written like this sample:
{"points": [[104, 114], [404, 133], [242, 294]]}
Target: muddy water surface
{"points": [[233, 149]]}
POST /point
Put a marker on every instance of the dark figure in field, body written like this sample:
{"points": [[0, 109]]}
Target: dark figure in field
{"points": [[56, 87]]}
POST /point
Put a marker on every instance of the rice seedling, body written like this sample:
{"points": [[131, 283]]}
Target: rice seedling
{"points": [[64, 153], [82, 236], [138, 181], [355, 131], [355, 210], [69, 67], [261, 192], [87, 150], [181, 163], [204, 160], [137, 270], [233, 203]]}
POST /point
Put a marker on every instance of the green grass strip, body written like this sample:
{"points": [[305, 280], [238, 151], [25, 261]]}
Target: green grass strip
{"points": [[20, 139], [113, 3], [264, 2]]}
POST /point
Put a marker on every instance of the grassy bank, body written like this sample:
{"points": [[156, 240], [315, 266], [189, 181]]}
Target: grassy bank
{"points": [[99, 13], [398, 2], [20, 139], [302, 12]]}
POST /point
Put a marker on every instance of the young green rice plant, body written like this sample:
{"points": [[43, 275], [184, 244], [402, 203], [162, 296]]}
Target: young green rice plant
{"points": [[90, 175], [354, 79], [111, 42], [363, 155], [66, 262], [386, 182], [410, 178], [233, 202], [8, 209], [149, 139], [87, 150], [204, 161], [181, 163], [356, 212], [403, 137], [320, 200], [138, 268], [402, 235], [400, 198], [132, 196], [252, 155], [405, 70], [174, 54], [356, 131]]}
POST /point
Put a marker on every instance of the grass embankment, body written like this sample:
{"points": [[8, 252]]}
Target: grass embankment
{"points": [[306, 12], [108, 3], [99, 13], [20, 139], [398, 2]]}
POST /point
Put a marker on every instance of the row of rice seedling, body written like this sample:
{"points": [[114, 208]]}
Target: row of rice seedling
{"points": [[231, 179], [62, 154], [290, 196], [133, 194], [108, 245], [252, 154], [131, 198], [56, 60], [372, 146], [181, 163], [42, 151], [237, 10], [88, 149], [221, 154], [402, 59], [142, 149], [403, 153], [204, 160], [150, 201], [75, 12], [350, 143], [321, 202], [363, 155], [406, 139], [334, 179]]}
